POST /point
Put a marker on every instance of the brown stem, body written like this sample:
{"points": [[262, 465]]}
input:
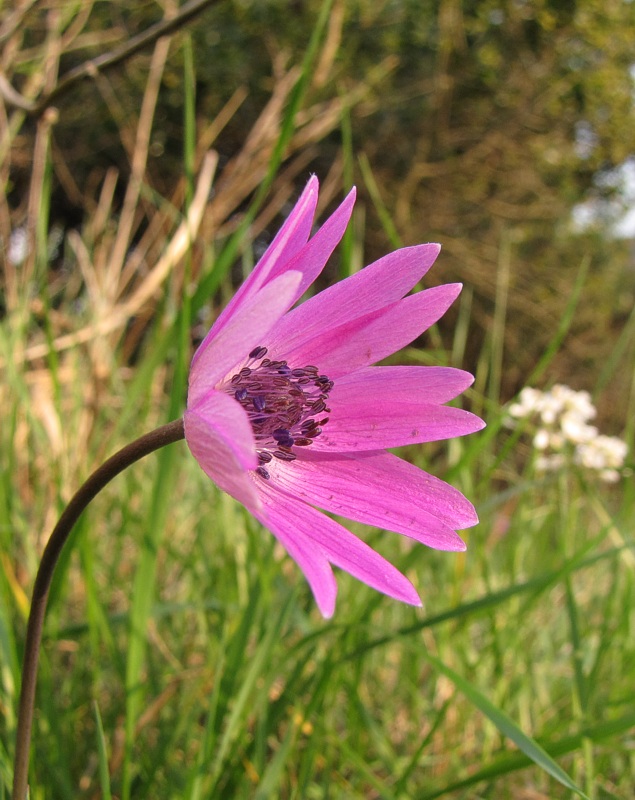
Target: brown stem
{"points": [[166, 434]]}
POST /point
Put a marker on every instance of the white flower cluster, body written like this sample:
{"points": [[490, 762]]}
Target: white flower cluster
{"points": [[562, 416]]}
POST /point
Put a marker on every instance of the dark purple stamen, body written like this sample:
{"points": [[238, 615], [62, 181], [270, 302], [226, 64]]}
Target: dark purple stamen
{"points": [[281, 402], [284, 456]]}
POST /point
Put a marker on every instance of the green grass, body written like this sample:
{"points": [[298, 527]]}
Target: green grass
{"points": [[183, 654], [245, 691]]}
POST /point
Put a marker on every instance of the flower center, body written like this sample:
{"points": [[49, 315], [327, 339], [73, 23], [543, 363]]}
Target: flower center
{"points": [[282, 403]]}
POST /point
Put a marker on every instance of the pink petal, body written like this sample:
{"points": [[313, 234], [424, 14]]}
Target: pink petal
{"points": [[379, 407], [368, 339], [246, 329], [369, 423], [307, 554], [430, 384], [312, 258], [302, 522], [224, 415], [374, 287], [219, 450], [289, 240], [379, 489]]}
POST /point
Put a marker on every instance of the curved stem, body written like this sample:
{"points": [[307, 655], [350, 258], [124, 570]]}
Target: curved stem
{"points": [[132, 452]]}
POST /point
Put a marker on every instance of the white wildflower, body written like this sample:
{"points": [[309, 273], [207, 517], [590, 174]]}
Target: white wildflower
{"points": [[528, 403], [606, 454], [551, 462], [18, 248], [562, 431], [575, 429]]}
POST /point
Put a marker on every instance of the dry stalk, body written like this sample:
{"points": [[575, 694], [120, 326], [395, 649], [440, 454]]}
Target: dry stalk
{"points": [[121, 313], [139, 161], [51, 59]]}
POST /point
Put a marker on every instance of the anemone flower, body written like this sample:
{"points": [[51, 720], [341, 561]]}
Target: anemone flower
{"points": [[286, 414]]}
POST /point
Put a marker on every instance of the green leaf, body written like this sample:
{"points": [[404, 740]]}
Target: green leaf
{"points": [[506, 726]]}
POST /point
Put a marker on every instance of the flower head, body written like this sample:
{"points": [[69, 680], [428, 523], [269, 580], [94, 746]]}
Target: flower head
{"points": [[564, 434], [605, 454], [287, 415]]}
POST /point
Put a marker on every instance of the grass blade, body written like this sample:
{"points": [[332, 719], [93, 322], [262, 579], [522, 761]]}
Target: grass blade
{"points": [[507, 726]]}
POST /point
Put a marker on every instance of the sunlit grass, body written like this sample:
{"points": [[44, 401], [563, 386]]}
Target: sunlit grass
{"points": [[243, 689]]}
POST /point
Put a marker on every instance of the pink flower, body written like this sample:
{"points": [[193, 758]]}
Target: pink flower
{"points": [[286, 414]]}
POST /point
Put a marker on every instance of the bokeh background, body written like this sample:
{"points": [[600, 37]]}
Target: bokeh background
{"points": [[502, 129]]}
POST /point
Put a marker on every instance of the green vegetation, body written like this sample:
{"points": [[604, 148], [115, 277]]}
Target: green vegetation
{"points": [[183, 654]]}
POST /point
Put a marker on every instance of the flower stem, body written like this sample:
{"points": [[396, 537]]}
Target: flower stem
{"points": [[132, 452]]}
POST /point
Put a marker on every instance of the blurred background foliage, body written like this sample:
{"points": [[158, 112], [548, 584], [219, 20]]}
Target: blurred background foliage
{"points": [[481, 124]]}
